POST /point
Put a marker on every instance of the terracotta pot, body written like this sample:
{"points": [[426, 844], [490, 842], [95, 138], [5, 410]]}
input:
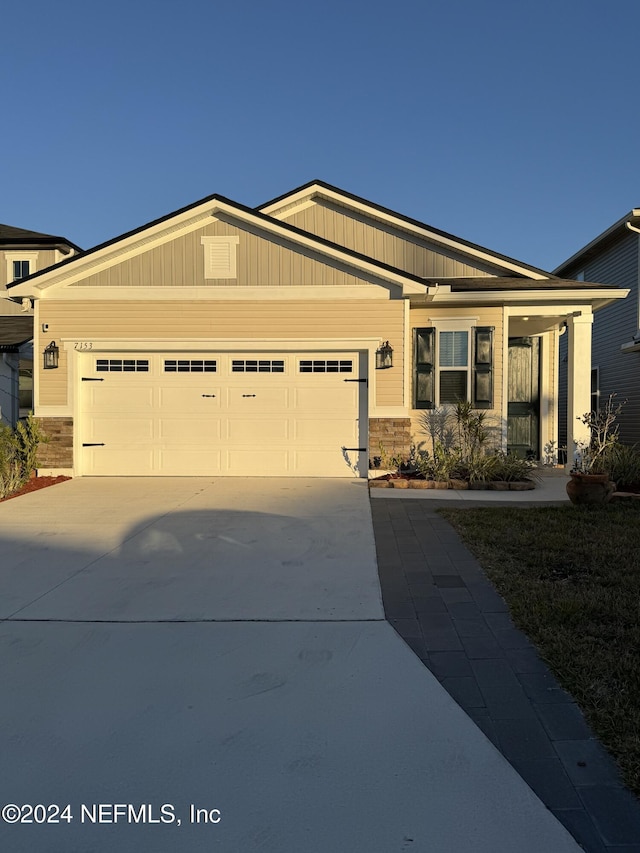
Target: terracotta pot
{"points": [[586, 489]]}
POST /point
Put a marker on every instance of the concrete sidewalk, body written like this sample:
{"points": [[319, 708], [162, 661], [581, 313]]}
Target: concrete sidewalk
{"points": [[222, 645]]}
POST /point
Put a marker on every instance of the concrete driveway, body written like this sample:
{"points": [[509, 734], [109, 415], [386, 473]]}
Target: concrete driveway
{"points": [[213, 654]]}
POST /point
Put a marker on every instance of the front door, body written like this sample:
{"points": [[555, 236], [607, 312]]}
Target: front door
{"points": [[523, 406]]}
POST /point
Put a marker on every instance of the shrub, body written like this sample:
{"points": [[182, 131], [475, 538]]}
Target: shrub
{"points": [[623, 464], [18, 450]]}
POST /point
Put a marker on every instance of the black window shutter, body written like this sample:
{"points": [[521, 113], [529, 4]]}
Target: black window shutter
{"points": [[423, 368], [483, 367]]}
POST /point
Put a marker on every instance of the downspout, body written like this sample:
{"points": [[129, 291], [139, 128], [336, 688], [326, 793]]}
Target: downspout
{"points": [[631, 227]]}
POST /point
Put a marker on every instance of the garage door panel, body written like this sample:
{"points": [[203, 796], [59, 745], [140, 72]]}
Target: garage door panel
{"points": [[185, 461], [326, 399], [306, 430], [119, 430], [250, 431], [181, 431], [332, 463], [122, 398], [254, 397], [250, 461], [194, 399], [119, 461]]}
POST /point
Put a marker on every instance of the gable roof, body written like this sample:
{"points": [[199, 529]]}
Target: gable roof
{"points": [[12, 236], [321, 189], [602, 241], [193, 216]]}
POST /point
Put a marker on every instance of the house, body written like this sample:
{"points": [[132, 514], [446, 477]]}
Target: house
{"points": [[22, 253], [613, 258], [299, 338]]}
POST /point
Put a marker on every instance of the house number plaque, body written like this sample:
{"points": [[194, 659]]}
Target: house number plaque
{"points": [[83, 345]]}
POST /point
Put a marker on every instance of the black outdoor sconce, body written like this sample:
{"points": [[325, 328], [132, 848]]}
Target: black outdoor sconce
{"points": [[51, 354], [384, 356]]}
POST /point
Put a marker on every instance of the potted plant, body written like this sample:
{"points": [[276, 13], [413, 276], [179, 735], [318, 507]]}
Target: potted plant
{"points": [[589, 481]]}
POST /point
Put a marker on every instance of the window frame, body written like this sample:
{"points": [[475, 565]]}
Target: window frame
{"points": [[479, 368]]}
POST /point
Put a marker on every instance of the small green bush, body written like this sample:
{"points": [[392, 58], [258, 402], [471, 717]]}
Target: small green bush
{"points": [[622, 463], [18, 451]]}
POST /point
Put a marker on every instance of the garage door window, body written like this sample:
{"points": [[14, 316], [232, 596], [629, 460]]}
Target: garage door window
{"points": [[122, 365], [257, 366], [193, 365], [326, 366]]}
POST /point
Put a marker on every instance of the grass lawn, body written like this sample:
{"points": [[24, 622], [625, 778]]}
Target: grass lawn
{"points": [[571, 577]]}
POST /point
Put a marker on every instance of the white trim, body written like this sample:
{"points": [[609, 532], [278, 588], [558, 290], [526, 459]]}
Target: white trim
{"points": [[235, 293], [390, 412], [53, 411], [15, 255], [547, 393], [505, 375], [600, 295], [407, 389], [55, 472], [318, 191], [222, 344]]}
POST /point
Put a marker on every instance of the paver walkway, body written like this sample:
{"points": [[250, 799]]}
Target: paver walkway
{"points": [[439, 600]]}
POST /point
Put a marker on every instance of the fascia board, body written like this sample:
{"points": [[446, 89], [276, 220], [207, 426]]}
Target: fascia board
{"points": [[601, 238], [603, 296], [306, 194]]}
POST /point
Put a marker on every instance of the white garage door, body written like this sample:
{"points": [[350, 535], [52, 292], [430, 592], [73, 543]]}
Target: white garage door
{"points": [[244, 414]]}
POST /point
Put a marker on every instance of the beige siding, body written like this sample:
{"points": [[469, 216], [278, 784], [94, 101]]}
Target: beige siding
{"points": [[381, 241], [95, 320], [424, 317], [261, 260]]}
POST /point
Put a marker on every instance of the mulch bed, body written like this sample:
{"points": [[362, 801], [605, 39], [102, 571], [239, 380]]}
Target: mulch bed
{"points": [[34, 484]]}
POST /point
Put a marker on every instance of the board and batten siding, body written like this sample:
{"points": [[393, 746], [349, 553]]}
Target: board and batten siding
{"points": [[261, 260], [381, 241], [491, 316], [212, 320], [612, 326]]}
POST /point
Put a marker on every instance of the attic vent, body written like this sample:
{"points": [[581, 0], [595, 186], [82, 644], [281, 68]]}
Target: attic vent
{"points": [[220, 256]]}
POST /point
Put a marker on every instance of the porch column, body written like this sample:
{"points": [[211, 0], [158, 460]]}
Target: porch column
{"points": [[578, 379]]}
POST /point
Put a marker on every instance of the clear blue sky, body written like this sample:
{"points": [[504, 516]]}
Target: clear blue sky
{"points": [[514, 125]]}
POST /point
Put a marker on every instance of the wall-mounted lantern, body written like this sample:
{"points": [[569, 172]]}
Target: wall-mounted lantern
{"points": [[384, 356], [51, 354]]}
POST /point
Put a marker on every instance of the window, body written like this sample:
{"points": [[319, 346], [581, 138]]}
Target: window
{"points": [[122, 365], [20, 264], [453, 365], [325, 366], [257, 366], [190, 365], [20, 270], [595, 390]]}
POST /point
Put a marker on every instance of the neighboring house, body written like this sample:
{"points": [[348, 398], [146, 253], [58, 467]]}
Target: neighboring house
{"points": [[15, 334], [613, 258], [228, 340], [22, 253]]}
